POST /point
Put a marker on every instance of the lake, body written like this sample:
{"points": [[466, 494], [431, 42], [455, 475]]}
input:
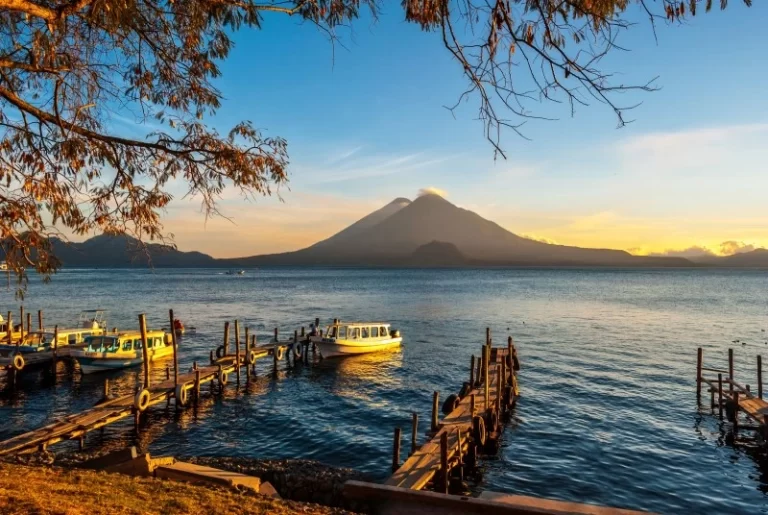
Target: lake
{"points": [[607, 412]]}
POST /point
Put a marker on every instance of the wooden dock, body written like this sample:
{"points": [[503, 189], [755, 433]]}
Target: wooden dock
{"points": [[729, 396], [473, 423], [182, 388]]}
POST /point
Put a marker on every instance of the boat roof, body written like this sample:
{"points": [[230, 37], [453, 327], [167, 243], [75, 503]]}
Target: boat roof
{"points": [[154, 332], [360, 323]]}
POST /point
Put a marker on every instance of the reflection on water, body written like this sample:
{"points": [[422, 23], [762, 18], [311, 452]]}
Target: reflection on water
{"points": [[607, 415]]}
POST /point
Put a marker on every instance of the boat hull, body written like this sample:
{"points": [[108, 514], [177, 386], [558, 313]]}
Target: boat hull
{"points": [[102, 363], [349, 348]]}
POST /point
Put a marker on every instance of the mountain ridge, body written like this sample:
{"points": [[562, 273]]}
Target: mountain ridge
{"points": [[429, 231]]}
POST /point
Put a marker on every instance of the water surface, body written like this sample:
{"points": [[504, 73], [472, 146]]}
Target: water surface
{"points": [[608, 412]]}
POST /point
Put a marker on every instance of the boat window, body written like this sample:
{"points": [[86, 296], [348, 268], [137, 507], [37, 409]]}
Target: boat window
{"points": [[354, 333], [158, 342], [374, 332], [383, 331], [137, 344], [366, 332], [342, 332], [127, 344]]}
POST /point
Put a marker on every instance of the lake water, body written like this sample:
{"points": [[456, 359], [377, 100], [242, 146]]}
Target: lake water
{"points": [[608, 412]]}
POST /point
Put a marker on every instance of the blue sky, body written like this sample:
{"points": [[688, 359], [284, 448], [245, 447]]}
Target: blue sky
{"points": [[366, 123]]}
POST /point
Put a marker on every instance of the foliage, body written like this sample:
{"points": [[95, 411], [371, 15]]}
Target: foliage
{"points": [[67, 66]]}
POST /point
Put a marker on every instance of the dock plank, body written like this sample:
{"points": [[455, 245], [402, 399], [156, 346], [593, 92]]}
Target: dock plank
{"points": [[419, 469]]}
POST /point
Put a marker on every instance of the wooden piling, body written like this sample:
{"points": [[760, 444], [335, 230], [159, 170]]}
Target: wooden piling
{"points": [[720, 395], [414, 431], [472, 404], [730, 370], [237, 350], [226, 337], [144, 348], [699, 355], [55, 343], [396, 450], [106, 388], [498, 390], [487, 335], [486, 364], [478, 375], [443, 486], [21, 323], [736, 409], [759, 376], [40, 320], [472, 372], [29, 323], [302, 332], [175, 342], [276, 334], [435, 402], [10, 328], [167, 372], [197, 385]]}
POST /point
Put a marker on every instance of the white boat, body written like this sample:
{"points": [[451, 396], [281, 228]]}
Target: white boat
{"points": [[116, 351], [348, 338]]}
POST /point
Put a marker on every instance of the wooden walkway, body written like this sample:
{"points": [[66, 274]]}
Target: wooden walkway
{"points": [[109, 411], [733, 397], [456, 436]]}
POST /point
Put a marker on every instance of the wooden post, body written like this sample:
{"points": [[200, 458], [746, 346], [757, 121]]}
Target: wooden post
{"points": [[478, 376], [486, 361], [317, 323], [21, 323], [435, 402], [197, 385], [276, 335], [55, 343], [472, 373], [274, 355], [10, 328], [144, 348], [443, 486], [212, 360], [106, 388], [167, 372], [736, 415], [498, 390], [699, 355], [40, 320], [759, 376], [414, 431], [503, 376], [730, 369], [396, 451], [487, 335], [175, 351], [237, 350], [302, 332], [720, 394], [226, 337], [29, 323], [472, 404]]}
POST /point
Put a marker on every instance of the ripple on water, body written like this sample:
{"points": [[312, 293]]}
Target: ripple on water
{"points": [[607, 415]]}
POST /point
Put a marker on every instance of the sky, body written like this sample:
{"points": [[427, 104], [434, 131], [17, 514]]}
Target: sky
{"points": [[366, 122]]}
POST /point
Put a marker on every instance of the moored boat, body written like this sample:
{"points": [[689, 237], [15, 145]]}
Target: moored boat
{"points": [[124, 350], [348, 338]]}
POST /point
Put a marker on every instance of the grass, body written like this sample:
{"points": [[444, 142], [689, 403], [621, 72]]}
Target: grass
{"points": [[38, 490]]}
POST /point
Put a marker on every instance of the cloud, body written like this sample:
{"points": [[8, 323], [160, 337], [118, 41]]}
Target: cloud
{"points": [[539, 239], [343, 155], [731, 247], [691, 252], [366, 167], [431, 190]]}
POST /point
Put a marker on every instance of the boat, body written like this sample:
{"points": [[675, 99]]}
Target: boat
{"points": [[235, 272], [124, 350], [348, 338]]}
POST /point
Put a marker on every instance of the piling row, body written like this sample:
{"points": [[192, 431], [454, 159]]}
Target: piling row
{"points": [[731, 397], [471, 426], [178, 386]]}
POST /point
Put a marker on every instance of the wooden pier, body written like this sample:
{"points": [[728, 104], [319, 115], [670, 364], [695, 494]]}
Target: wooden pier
{"points": [[729, 396], [473, 423], [183, 388]]}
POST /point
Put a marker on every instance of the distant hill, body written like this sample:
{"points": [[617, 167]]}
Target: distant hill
{"points": [[427, 232], [392, 235], [106, 251], [757, 258]]}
